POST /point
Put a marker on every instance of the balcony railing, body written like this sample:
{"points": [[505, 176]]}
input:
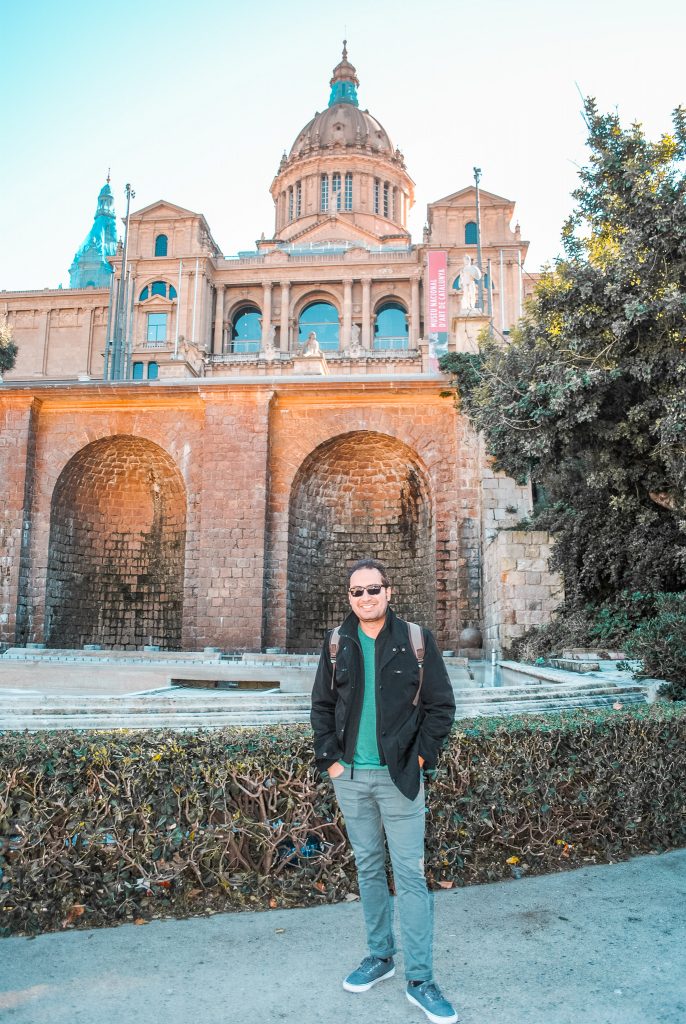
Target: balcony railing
{"points": [[284, 357]]}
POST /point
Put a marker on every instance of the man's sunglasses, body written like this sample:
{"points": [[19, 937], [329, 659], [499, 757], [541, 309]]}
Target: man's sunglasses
{"points": [[373, 590]]}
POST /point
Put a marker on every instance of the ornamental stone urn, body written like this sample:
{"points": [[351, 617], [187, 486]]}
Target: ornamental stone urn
{"points": [[470, 638]]}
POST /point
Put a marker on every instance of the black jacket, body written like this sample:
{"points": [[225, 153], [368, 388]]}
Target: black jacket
{"points": [[403, 731]]}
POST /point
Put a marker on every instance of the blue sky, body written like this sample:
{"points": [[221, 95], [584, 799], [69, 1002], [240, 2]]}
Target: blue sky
{"points": [[197, 107]]}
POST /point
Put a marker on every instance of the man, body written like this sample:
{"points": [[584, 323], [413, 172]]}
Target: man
{"points": [[373, 735]]}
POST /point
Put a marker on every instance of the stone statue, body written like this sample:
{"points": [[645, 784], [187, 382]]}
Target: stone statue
{"points": [[355, 347], [311, 346], [191, 353], [269, 350], [469, 275]]}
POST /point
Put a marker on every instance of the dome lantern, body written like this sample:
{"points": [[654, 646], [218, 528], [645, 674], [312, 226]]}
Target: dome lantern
{"points": [[344, 82]]}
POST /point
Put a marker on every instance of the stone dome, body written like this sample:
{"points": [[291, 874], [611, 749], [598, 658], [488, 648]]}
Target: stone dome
{"points": [[343, 124]]}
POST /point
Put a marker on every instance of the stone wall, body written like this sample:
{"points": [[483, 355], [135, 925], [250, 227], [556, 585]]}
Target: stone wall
{"points": [[17, 446], [519, 590], [364, 494], [116, 550], [408, 439], [225, 513]]}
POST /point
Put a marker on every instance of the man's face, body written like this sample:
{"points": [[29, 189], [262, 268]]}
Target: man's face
{"points": [[369, 607]]}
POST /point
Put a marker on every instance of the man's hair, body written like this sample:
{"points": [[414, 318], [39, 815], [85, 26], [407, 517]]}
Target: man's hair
{"points": [[370, 563]]}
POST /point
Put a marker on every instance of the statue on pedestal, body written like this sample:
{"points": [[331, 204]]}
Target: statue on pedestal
{"points": [[355, 346], [311, 346], [269, 350], [469, 275]]}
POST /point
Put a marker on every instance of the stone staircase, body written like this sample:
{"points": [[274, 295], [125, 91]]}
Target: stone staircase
{"points": [[192, 708]]}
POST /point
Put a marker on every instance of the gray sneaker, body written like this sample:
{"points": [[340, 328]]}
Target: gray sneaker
{"points": [[428, 998], [371, 970]]}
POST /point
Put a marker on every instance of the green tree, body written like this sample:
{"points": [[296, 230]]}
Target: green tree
{"points": [[8, 350], [589, 396]]}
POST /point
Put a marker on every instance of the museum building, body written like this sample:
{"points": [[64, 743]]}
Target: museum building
{"points": [[279, 414]]}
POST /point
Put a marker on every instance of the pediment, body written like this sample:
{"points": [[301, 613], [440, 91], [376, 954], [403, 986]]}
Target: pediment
{"points": [[156, 304], [467, 197], [163, 208], [334, 230]]}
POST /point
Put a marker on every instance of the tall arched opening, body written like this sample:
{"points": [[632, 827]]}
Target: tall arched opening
{"points": [[362, 494], [117, 546]]}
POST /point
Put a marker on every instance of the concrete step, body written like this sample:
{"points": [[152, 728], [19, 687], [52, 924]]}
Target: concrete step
{"points": [[192, 709], [210, 700], [183, 720]]}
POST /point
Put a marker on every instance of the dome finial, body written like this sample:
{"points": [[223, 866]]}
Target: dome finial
{"points": [[344, 82]]}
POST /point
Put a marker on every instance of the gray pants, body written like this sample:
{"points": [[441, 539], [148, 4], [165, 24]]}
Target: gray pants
{"points": [[371, 805]]}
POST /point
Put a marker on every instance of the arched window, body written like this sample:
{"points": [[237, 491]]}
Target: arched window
{"points": [[390, 326], [153, 371], [470, 233], [160, 288], [336, 190], [348, 191], [322, 318], [325, 193], [138, 371], [290, 203], [246, 329], [377, 188], [386, 195], [161, 245], [298, 198]]}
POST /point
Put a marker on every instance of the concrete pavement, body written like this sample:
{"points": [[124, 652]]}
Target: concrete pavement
{"points": [[599, 945]]}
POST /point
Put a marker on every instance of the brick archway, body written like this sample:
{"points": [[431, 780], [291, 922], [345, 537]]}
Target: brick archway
{"points": [[362, 494], [117, 546]]}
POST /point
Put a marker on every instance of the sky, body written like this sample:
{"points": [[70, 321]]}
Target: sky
{"points": [[195, 105]]}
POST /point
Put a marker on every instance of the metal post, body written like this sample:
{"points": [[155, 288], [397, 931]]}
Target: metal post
{"points": [[519, 284], [178, 313], [116, 369], [108, 335], [195, 299], [477, 179], [501, 285]]}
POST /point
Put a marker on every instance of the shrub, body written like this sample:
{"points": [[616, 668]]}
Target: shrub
{"points": [[660, 643], [101, 828], [649, 627]]}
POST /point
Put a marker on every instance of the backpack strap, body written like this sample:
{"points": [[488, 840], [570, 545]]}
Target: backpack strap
{"points": [[417, 641], [333, 652]]}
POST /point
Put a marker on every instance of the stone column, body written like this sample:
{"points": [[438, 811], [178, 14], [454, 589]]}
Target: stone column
{"points": [[347, 313], [414, 313], [285, 303], [366, 336], [266, 312], [218, 346]]}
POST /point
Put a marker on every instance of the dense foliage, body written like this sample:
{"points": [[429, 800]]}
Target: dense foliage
{"points": [[589, 396], [8, 350], [101, 828]]}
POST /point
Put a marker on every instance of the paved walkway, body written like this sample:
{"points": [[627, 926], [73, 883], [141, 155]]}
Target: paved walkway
{"points": [[600, 945]]}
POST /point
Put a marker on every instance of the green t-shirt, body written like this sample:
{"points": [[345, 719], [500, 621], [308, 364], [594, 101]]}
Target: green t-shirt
{"points": [[367, 749]]}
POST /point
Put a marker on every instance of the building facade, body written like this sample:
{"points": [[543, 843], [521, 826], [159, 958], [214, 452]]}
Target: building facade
{"points": [[281, 415]]}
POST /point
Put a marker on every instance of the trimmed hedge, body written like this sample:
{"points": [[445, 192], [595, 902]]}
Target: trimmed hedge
{"points": [[101, 828]]}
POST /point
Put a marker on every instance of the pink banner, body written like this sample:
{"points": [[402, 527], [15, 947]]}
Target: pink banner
{"points": [[437, 294]]}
